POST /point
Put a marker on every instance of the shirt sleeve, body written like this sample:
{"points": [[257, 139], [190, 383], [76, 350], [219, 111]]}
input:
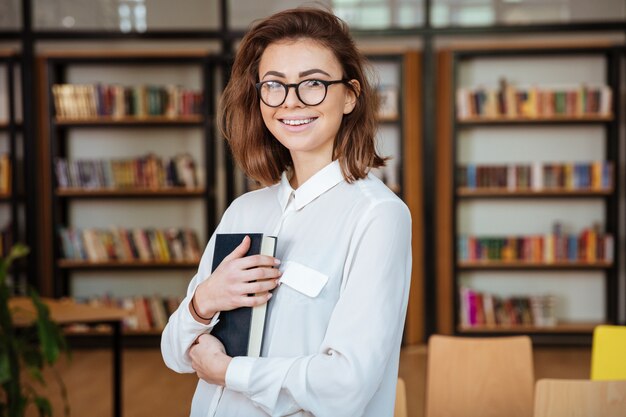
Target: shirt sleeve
{"points": [[364, 331], [182, 329]]}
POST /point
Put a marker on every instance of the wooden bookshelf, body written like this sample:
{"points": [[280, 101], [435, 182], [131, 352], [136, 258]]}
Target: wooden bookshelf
{"points": [[590, 118], [557, 265], [150, 208], [71, 264], [463, 141], [562, 328], [465, 192], [130, 193], [178, 121]]}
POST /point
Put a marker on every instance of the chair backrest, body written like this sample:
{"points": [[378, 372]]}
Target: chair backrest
{"points": [[608, 353], [400, 409], [482, 377], [580, 398]]}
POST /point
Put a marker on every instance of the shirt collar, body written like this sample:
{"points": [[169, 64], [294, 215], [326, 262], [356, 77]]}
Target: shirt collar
{"points": [[322, 181]]}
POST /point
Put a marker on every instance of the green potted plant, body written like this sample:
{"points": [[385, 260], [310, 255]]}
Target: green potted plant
{"points": [[26, 351]]}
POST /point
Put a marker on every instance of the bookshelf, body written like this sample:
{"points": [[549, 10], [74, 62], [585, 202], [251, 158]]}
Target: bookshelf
{"points": [[511, 243], [129, 152], [12, 202]]}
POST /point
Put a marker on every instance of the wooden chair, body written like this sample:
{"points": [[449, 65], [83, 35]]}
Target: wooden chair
{"points": [[580, 398], [479, 377], [608, 353], [400, 409]]}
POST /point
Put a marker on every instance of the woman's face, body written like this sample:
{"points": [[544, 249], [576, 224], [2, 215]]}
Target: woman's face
{"points": [[307, 131]]}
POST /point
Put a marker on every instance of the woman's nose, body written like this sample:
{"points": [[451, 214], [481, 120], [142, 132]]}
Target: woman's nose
{"points": [[292, 99]]}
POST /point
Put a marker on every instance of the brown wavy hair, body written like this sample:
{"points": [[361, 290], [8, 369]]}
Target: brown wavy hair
{"points": [[260, 155]]}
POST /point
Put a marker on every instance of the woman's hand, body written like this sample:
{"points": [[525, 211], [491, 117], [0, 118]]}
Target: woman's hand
{"points": [[237, 276], [209, 359]]}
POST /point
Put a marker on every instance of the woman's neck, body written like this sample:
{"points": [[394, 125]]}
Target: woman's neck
{"points": [[304, 168]]}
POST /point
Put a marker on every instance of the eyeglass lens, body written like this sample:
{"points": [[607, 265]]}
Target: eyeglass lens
{"points": [[310, 92]]}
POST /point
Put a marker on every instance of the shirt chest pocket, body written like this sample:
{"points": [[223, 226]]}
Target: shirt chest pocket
{"points": [[303, 282]]}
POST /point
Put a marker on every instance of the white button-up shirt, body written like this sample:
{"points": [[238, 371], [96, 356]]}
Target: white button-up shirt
{"points": [[335, 351]]}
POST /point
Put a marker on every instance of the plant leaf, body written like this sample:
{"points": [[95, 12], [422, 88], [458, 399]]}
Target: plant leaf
{"points": [[44, 407], [17, 251], [49, 333]]}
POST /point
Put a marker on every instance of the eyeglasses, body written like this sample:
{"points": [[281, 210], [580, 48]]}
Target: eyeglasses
{"points": [[310, 92]]}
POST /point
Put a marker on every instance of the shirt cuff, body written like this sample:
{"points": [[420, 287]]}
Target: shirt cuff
{"points": [[192, 325], [238, 373]]}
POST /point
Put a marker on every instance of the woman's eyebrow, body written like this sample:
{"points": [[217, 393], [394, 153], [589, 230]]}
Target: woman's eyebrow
{"points": [[275, 73], [302, 74], [313, 71]]}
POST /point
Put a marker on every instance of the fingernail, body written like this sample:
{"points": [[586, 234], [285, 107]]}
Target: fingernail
{"points": [[277, 261], [269, 295]]}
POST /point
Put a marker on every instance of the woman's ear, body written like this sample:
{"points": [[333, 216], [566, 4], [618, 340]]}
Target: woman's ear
{"points": [[352, 93]]}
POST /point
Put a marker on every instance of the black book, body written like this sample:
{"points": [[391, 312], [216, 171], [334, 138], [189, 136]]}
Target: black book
{"points": [[241, 329]]}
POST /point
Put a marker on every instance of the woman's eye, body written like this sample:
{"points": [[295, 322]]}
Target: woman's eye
{"points": [[273, 85], [313, 83]]}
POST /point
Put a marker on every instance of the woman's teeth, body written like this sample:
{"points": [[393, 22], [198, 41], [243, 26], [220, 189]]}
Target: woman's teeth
{"points": [[297, 122]]}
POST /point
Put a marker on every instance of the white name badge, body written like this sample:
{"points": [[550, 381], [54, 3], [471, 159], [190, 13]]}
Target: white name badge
{"points": [[303, 279]]}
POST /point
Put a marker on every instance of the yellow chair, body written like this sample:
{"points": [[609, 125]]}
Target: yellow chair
{"points": [[580, 398], [479, 377], [400, 410], [608, 353]]}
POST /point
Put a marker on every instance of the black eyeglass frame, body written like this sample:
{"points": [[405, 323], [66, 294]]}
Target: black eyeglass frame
{"points": [[296, 86]]}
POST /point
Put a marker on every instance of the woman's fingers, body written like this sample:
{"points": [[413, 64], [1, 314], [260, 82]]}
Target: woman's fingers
{"points": [[259, 287], [255, 300], [255, 261], [240, 251]]}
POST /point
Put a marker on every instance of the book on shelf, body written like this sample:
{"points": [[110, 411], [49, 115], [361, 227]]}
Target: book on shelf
{"points": [[388, 102], [536, 176], [145, 313], [241, 329], [88, 101], [124, 245], [589, 246], [5, 174], [508, 101], [145, 172], [484, 309]]}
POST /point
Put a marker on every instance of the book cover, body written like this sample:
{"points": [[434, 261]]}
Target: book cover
{"points": [[241, 329]]}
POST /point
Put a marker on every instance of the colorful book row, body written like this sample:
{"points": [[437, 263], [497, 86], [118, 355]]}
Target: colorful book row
{"points": [[596, 175], [144, 313], [510, 102], [83, 101], [148, 171], [121, 244], [589, 246], [484, 309]]}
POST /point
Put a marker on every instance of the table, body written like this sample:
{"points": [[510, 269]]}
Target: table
{"points": [[67, 311]]}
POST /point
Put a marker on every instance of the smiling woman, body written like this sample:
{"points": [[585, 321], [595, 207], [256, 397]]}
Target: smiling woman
{"points": [[300, 117]]}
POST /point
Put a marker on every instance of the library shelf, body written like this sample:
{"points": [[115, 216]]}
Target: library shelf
{"points": [[131, 121], [540, 120], [169, 192], [68, 264], [524, 265], [565, 327], [464, 192], [468, 139]]}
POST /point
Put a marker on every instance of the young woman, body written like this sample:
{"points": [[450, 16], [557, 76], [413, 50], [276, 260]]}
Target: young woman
{"points": [[300, 117]]}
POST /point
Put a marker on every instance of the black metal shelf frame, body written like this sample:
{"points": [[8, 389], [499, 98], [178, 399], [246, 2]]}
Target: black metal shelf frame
{"points": [[611, 138]]}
